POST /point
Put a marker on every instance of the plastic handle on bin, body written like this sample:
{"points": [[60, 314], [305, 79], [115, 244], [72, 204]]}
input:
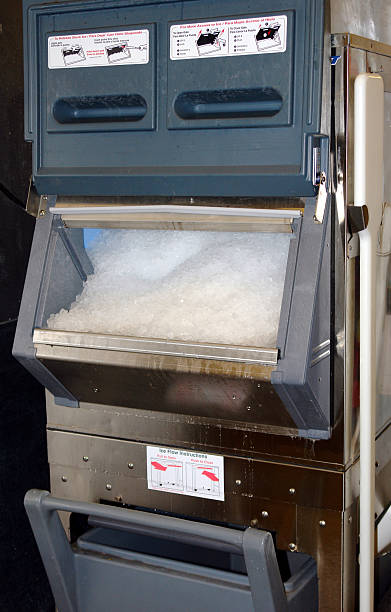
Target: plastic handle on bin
{"points": [[91, 109], [256, 545], [228, 103]]}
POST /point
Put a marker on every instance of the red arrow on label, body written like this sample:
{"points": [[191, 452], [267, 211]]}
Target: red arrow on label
{"points": [[210, 475], [158, 466]]}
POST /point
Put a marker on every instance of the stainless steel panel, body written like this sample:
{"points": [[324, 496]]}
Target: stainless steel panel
{"points": [[369, 19], [204, 433], [320, 534], [273, 496], [153, 346], [216, 202], [122, 465], [380, 64], [229, 392]]}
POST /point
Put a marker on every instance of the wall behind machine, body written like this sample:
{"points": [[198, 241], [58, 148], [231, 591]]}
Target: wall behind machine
{"points": [[23, 459]]}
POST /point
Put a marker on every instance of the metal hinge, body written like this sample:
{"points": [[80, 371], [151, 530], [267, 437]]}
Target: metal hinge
{"points": [[321, 199], [357, 218]]}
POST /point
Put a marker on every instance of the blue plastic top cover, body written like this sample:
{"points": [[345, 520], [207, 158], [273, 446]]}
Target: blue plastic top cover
{"points": [[157, 97]]}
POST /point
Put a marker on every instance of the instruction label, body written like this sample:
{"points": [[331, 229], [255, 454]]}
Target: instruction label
{"points": [[98, 49], [185, 472], [256, 35]]}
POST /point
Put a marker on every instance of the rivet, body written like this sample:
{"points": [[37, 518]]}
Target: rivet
{"points": [[265, 513], [108, 486], [350, 519], [95, 389], [64, 478], [85, 458], [41, 213], [322, 523], [131, 466], [238, 482], [292, 546], [254, 522], [292, 491]]}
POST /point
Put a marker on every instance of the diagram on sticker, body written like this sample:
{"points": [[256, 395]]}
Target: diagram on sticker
{"points": [[185, 472], [210, 41], [98, 49], [233, 37], [73, 54], [203, 479], [116, 53], [268, 36], [167, 474]]}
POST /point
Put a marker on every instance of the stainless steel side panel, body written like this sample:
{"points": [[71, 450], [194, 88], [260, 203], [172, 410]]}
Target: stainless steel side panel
{"points": [[369, 19]]}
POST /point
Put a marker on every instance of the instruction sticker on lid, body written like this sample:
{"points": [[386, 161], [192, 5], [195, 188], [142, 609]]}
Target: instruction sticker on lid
{"points": [[98, 49], [255, 35], [185, 472]]}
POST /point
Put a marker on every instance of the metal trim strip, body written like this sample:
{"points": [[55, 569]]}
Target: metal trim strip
{"points": [[175, 209], [345, 39], [245, 354]]}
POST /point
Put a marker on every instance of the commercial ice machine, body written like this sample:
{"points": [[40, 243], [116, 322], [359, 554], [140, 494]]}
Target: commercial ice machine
{"points": [[207, 300]]}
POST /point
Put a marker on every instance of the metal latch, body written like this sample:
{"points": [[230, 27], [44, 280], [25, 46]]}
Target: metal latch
{"points": [[321, 199], [357, 218]]}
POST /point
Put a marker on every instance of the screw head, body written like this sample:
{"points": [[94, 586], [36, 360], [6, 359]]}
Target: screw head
{"points": [[131, 466], [265, 514], [108, 486], [292, 547], [41, 213], [238, 482], [85, 458], [322, 523], [292, 491], [254, 522], [64, 478]]}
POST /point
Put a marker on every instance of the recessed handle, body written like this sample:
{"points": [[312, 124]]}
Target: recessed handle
{"points": [[92, 109], [228, 103]]}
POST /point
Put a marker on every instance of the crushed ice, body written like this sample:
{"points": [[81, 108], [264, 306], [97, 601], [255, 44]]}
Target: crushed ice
{"points": [[219, 287]]}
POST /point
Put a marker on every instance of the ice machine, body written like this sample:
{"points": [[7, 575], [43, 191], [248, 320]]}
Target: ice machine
{"points": [[209, 272]]}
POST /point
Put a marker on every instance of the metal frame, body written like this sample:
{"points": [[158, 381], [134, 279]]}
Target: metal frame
{"points": [[304, 490], [325, 528]]}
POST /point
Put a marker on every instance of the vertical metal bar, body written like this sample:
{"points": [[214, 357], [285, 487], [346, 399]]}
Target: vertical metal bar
{"points": [[368, 190]]}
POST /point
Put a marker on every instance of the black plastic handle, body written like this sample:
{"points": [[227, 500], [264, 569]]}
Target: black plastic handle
{"points": [[228, 103], [92, 109]]}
